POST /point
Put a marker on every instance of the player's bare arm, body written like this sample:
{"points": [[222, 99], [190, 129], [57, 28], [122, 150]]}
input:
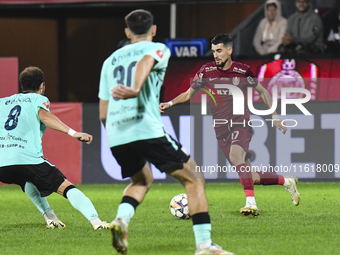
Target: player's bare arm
{"points": [[143, 69], [182, 98], [267, 99], [103, 104], [53, 122]]}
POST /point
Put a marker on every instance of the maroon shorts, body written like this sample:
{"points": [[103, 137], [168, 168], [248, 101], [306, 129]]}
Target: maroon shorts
{"points": [[238, 136]]}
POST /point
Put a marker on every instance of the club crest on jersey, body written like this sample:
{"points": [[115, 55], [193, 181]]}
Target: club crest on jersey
{"points": [[239, 70], [236, 81]]}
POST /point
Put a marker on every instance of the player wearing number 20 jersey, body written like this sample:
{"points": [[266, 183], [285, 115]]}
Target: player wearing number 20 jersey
{"points": [[21, 130], [136, 118]]}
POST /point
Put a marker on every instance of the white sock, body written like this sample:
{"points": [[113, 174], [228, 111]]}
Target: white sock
{"points": [[96, 221], [286, 181], [250, 200], [50, 215], [124, 222], [202, 246]]}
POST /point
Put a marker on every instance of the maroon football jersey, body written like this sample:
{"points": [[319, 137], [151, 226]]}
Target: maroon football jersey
{"points": [[211, 78]]}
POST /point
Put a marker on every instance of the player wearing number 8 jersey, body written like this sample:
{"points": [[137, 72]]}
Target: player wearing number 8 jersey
{"points": [[130, 83], [232, 130], [23, 121]]}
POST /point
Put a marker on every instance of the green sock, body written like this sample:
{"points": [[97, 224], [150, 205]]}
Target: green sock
{"points": [[126, 211], [82, 203], [34, 194], [202, 233]]}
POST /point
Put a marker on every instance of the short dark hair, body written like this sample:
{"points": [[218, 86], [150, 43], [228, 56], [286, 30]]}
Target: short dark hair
{"points": [[223, 38], [139, 21], [31, 78]]}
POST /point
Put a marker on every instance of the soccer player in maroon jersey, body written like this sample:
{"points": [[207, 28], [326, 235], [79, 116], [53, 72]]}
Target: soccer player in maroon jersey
{"points": [[233, 134]]}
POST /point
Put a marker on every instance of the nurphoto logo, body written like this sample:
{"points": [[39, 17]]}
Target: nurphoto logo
{"points": [[239, 102]]}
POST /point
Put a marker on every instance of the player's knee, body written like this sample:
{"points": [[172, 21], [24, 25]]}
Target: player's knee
{"points": [[192, 179], [145, 182], [67, 189], [236, 159], [148, 182]]}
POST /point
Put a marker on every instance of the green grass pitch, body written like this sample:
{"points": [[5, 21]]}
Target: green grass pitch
{"points": [[313, 227]]}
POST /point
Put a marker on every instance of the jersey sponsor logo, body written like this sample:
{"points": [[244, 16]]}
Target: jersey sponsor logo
{"points": [[224, 79], [18, 100], [239, 70], [159, 53], [117, 59], [211, 79], [126, 120], [236, 81], [124, 109], [113, 62], [210, 68], [10, 137], [222, 92], [47, 105]]}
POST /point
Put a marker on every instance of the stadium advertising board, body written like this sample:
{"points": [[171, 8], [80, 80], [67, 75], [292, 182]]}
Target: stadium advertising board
{"points": [[61, 150], [310, 150], [186, 47], [9, 68]]}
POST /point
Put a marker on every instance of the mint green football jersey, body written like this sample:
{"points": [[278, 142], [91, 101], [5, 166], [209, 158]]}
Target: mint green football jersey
{"points": [[21, 129], [137, 118]]}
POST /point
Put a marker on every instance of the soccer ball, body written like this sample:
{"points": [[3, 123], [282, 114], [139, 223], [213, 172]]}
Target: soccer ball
{"points": [[179, 206]]}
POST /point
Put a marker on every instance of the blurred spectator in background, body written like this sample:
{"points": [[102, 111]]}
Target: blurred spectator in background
{"points": [[331, 23], [304, 32], [270, 30]]}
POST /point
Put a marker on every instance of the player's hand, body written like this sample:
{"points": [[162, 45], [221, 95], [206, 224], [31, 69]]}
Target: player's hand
{"points": [[281, 125], [163, 107], [123, 92], [83, 137]]}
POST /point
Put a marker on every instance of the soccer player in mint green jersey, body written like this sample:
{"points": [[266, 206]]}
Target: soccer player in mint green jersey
{"points": [[23, 121], [130, 83]]}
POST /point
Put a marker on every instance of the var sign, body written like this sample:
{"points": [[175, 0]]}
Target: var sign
{"points": [[187, 48]]}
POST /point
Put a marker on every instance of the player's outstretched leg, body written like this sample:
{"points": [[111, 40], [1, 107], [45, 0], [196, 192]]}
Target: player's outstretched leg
{"points": [[289, 182], [291, 186], [82, 203], [198, 206], [41, 203], [133, 195]]}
